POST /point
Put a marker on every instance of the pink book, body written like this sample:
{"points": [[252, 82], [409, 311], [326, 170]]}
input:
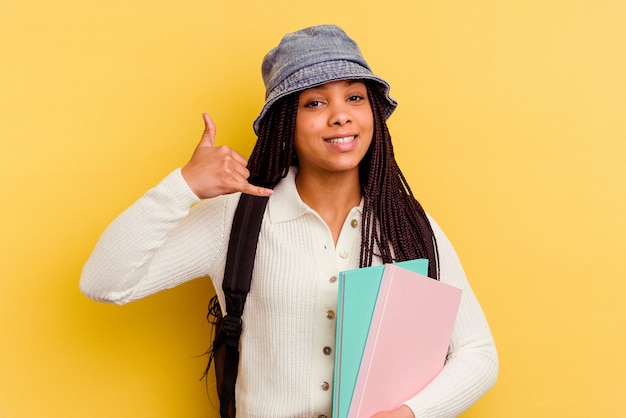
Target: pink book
{"points": [[407, 342]]}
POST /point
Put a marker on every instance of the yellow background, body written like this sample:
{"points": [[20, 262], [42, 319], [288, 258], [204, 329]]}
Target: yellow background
{"points": [[511, 130]]}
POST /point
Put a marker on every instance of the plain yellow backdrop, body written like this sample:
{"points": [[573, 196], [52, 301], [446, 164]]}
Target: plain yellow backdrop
{"points": [[511, 130]]}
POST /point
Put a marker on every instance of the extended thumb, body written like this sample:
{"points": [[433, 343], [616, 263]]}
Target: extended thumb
{"points": [[208, 136]]}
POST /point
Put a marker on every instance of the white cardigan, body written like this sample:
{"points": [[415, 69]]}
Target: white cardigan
{"points": [[169, 237]]}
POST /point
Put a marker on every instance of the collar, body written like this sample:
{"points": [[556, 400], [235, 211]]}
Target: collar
{"points": [[285, 204]]}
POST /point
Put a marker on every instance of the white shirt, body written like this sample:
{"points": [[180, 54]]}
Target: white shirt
{"points": [[287, 345]]}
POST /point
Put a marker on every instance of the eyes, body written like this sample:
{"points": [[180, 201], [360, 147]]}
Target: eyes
{"points": [[312, 103]]}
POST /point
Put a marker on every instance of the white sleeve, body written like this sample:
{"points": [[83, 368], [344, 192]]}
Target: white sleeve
{"points": [[471, 367], [157, 243]]}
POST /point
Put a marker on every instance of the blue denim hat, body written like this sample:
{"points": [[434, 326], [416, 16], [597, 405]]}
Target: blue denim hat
{"points": [[311, 57]]}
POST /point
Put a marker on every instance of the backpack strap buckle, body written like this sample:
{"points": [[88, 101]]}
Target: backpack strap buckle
{"points": [[232, 326]]}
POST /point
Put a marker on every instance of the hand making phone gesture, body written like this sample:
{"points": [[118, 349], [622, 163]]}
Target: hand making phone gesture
{"points": [[216, 170]]}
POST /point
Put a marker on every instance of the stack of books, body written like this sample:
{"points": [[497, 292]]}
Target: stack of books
{"points": [[393, 331]]}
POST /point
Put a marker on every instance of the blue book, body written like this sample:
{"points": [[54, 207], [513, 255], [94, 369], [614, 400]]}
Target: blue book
{"points": [[357, 294]]}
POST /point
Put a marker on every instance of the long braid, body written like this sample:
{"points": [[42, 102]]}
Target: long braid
{"points": [[274, 150], [394, 223], [395, 226]]}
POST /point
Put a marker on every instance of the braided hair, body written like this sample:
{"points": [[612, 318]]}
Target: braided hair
{"points": [[395, 226]]}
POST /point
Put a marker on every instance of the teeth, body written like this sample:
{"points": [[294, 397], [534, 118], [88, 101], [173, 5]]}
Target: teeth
{"points": [[343, 140]]}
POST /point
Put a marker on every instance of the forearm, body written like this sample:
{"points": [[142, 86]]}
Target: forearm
{"points": [[472, 364], [470, 371], [124, 254]]}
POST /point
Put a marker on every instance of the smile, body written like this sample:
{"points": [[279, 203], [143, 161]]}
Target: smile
{"points": [[343, 140]]}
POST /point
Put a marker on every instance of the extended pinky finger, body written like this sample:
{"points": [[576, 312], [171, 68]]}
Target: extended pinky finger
{"points": [[256, 190]]}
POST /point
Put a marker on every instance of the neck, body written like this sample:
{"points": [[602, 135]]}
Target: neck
{"points": [[331, 195]]}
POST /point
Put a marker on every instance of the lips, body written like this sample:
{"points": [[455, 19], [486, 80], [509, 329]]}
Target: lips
{"points": [[340, 140]]}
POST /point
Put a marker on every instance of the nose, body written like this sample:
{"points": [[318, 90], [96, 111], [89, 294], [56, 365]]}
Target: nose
{"points": [[339, 114]]}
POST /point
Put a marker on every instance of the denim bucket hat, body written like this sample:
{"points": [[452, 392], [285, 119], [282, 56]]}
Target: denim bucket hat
{"points": [[311, 57]]}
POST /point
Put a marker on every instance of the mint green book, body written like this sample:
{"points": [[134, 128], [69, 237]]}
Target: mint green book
{"points": [[357, 294]]}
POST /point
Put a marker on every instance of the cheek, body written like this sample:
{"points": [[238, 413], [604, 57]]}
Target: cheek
{"points": [[300, 140], [300, 126], [365, 117], [367, 126], [306, 127], [306, 123]]}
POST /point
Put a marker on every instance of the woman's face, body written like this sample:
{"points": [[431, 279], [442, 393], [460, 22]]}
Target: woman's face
{"points": [[334, 126]]}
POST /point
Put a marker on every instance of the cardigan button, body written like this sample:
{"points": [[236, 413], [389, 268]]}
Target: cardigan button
{"points": [[354, 223], [327, 350], [333, 279], [325, 386], [330, 314]]}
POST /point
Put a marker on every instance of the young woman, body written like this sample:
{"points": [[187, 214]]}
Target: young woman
{"points": [[338, 201]]}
